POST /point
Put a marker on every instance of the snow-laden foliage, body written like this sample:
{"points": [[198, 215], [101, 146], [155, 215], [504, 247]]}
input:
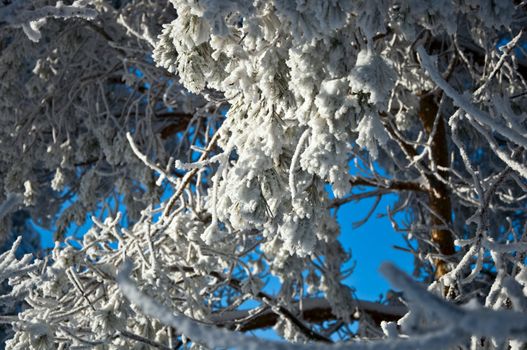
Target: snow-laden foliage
{"points": [[218, 139], [68, 101], [22, 240]]}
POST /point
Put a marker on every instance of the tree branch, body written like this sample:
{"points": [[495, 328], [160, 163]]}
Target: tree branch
{"points": [[392, 185], [315, 310], [438, 194]]}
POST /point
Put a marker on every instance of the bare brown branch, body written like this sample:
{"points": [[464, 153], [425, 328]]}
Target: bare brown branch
{"points": [[314, 310], [439, 194]]}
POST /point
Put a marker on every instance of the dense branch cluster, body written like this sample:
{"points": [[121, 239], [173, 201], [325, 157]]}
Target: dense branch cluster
{"points": [[213, 143]]}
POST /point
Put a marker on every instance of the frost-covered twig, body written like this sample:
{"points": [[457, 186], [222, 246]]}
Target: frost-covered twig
{"points": [[12, 268], [467, 106], [147, 162], [508, 48], [31, 20], [12, 200], [188, 176], [294, 161], [476, 321]]}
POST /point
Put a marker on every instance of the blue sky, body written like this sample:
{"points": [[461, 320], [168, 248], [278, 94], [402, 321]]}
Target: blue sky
{"points": [[371, 244]]}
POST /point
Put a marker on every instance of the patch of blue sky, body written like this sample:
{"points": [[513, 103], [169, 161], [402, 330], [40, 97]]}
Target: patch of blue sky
{"points": [[139, 74], [371, 244], [520, 51], [75, 231]]}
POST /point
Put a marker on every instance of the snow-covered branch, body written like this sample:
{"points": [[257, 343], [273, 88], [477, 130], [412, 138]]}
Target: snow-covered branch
{"points": [[462, 102], [31, 20]]}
